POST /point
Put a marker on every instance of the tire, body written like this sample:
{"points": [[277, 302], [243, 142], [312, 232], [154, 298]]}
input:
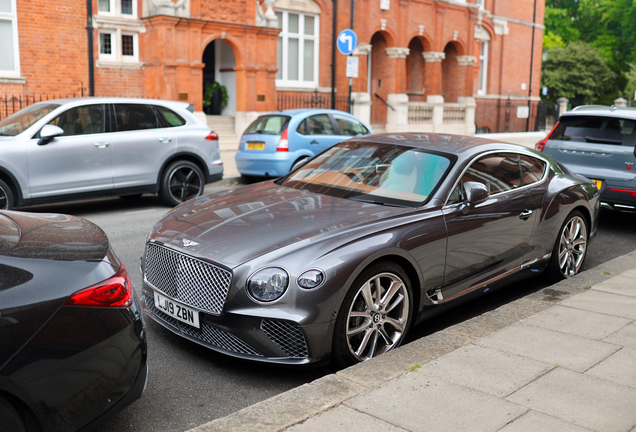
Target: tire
{"points": [[298, 163], [367, 327], [570, 248], [6, 197], [180, 182], [10, 420]]}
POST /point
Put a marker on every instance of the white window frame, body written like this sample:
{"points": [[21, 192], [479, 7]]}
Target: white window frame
{"points": [[115, 9], [302, 37], [113, 45], [481, 4], [12, 17], [483, 68]]}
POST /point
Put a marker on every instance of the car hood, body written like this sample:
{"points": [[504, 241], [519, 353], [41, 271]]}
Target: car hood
{"points": [[51, 236], [235, 226]]}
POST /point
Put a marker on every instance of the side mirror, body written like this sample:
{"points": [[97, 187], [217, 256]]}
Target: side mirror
{"points": [[475, 193], [49, 132]]}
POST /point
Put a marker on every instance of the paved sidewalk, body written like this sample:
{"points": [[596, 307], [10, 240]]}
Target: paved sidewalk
{"points": [[561, 359]]}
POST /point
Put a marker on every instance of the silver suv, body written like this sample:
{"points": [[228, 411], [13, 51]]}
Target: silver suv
{"points": [[598, 142], [86, 147]]}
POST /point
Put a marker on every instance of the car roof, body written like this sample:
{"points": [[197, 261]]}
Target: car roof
{"points": [[601, 111], [108, 99], [444, 143], [293, 112]]}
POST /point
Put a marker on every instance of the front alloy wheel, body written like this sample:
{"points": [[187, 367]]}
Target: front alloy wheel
{"points": [[375, 315]]}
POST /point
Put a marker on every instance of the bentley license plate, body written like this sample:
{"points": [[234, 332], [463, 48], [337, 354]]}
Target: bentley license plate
{"points": [[255, 146], [177, 310]]}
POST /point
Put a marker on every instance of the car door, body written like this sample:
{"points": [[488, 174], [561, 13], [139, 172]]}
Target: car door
{"points": [[141, 144], [318, 133], [77, 161], [489, 241]]}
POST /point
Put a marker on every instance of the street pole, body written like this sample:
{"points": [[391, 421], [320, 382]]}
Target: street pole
{"points": [[534, 19], [89, 28], [333, 55], [350, 79]]}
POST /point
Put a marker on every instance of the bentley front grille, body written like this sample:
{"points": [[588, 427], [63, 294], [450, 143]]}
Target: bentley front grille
{"points": [[192, 281], [287, 336], [210, 335]]}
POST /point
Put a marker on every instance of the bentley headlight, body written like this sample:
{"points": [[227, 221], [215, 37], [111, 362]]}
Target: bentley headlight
{"points": [[311, 279], [268, 284]]}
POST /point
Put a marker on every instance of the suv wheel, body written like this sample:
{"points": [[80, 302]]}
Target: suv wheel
{"points": [[181, 181]]}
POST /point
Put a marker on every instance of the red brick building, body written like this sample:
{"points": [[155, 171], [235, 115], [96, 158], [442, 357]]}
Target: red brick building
{"points": [[423, 64]]}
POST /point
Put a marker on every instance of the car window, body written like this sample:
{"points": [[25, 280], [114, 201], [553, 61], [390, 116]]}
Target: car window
{"points": [[532, 169], [172, 118], [269, 125], [302, 127], [82, 120], [17, 123], [373, 172], [350, 127], [319, 124], [499, 172], [594, 129], [131, 117]]}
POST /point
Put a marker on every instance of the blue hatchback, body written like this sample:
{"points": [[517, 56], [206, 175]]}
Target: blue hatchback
{"points": [[275, 143]]}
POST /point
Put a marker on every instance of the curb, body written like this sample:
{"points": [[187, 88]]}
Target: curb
{"points": [[299, 404]]}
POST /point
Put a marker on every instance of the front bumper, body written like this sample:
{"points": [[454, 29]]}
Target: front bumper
{"points": [[264, 339]]}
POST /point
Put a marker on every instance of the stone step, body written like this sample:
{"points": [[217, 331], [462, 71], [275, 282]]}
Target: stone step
{"points": [[378, 128]]}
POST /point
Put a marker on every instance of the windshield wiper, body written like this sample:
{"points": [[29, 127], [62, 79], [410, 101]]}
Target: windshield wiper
{"points": [[370, 201]]}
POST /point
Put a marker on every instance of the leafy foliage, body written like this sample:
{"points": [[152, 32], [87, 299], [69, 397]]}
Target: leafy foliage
{"points": [[578, 72], [607, 26], [208, 92]]}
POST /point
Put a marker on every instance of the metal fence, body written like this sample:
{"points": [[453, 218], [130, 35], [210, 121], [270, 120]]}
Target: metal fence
{"points": [[496, 116], [315, 100], [10, 103]]}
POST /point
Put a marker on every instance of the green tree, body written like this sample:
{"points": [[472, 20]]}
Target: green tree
{"points": [[578, 72]]}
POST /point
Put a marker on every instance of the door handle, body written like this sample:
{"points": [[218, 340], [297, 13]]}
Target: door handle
{"points": [[101, 145], [165, 140], [525, 214], [314, 142]]}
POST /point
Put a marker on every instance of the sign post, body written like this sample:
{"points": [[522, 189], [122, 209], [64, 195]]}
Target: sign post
{"points": [[346, 43]]}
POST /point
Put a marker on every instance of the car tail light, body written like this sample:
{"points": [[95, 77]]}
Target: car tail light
{"points": [[630, 192], [283, 144], [116, 291], [212, 136], [541, 144]]}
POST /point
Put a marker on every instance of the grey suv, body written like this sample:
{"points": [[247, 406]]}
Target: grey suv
{"points": [[77, 148], [598, 142]]}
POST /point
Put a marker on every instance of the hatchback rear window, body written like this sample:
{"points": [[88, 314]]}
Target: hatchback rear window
{"points": [[595, 129], [269, 125]]}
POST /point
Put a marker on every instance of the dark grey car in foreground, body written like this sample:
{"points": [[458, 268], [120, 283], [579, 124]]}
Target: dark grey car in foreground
{"points": [[339, 258]]}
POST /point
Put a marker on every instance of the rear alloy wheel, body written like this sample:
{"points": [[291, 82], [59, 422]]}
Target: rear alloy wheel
{"points": [[181, 182], [375, 315], [6, 196], [569, 249]]}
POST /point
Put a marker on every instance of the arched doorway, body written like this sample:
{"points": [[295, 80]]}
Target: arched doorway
{"points": [[219, 61], [453, 85], [382, 81], [416, 72]]}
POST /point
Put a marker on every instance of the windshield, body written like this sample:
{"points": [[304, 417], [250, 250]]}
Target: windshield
{"points": [[379, 173], [269, 125], [19, 122]]}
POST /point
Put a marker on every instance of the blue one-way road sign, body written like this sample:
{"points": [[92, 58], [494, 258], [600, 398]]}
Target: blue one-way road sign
{"points": [[347, 41]]}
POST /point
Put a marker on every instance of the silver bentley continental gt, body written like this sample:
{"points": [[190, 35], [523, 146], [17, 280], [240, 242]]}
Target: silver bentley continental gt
{"points": [[338, 259]]}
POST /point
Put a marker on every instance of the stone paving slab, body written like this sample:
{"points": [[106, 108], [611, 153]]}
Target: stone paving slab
{"points": [[534, 421], [549, 346], [624, 337], [577, 322], [490, 371], [619, 368], [621, 285], [580, 399], [604, 303], [345, 419], [418, 402]]}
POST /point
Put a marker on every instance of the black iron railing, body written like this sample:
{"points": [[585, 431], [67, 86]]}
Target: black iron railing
{"points": [[315, 100], [11, 103]]}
